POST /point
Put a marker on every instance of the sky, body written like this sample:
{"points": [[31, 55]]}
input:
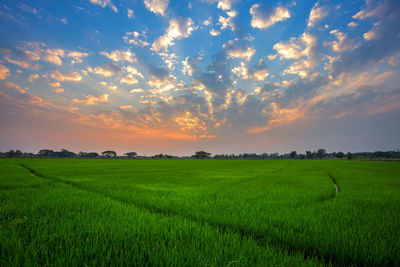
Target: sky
{"points": [[175, 77]]}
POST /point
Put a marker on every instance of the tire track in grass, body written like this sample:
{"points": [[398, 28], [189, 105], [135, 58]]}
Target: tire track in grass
{"points": [[334, 183], [261, 239]]}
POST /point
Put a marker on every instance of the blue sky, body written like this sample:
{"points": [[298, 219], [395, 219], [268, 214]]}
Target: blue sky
{"points": [[159, 76]]}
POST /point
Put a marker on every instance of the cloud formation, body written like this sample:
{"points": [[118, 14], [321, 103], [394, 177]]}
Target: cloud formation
{"points": [[91, 99], [105, 3], [4, 72], [157, 6], [66, 77], [263, 16], [178, 29]]}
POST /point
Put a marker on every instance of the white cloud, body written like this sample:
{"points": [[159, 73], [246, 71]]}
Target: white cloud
{"points": [[207, 21], [296, 48], [130, 13], [370, 35], [120, 56], [91, 99], [129, 79], [226, 22], [67, 77], [133, 71], [242, 52], [169, 60], [136, 38], [55, 84], [342, 43], [352, 24], [58, 90], [317, 14], [157, 6], [214, 32], [76, 57], [33, 77], [54, 56], [263, 16], [104, 3], [109, 86], [137, 90], [105, 71], [178, 29], [224, 4], [125, 107], [290, 50], [4, 72]]}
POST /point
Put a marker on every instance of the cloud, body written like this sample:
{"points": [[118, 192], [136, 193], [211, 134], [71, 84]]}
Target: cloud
{"points": [[226, 22], [56, 86], [4, 72], [258, 72], [109, 86], [169, 60], [91, 99], [137, 90], [76, 57], [317, 14], [27, 54], [352, 24], [289, 50], [54, 56], [342, 43], [190, 65], [129, 79], [224, 4], [239, 50], [263, 16], [66, 77], [178, 29], [306, 46], [382, 39], [24, 56], [207, 21], [214, 32], [157, 6], [132, 70], [136, 38], [33, 77], [120, 56], [125, 107], [104, 3], [106, 70], [130, 13]]}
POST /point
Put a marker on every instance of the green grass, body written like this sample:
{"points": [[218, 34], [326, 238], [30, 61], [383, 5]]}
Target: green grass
{"points": [[199, 213]]}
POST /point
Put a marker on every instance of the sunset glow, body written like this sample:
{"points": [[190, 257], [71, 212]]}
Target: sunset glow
{"points": [[224, 76]]}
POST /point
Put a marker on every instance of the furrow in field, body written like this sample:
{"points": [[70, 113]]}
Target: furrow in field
{"points": [[334, 183], [262, 239]]}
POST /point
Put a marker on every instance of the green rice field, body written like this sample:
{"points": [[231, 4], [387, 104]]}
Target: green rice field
{"points": [[96, 212]]}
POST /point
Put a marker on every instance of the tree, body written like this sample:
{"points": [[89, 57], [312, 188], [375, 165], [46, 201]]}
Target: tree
{"points": [[131, 154], [202, 155], [349, 156], [64, 153], [293, 154], [340, 155], [88, 154], [309, 154], [46, 153], [321, 153], [109, 153]]}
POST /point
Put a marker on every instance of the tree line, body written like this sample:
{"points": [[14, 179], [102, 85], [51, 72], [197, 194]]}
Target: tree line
{"points": [[317, 154]]}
